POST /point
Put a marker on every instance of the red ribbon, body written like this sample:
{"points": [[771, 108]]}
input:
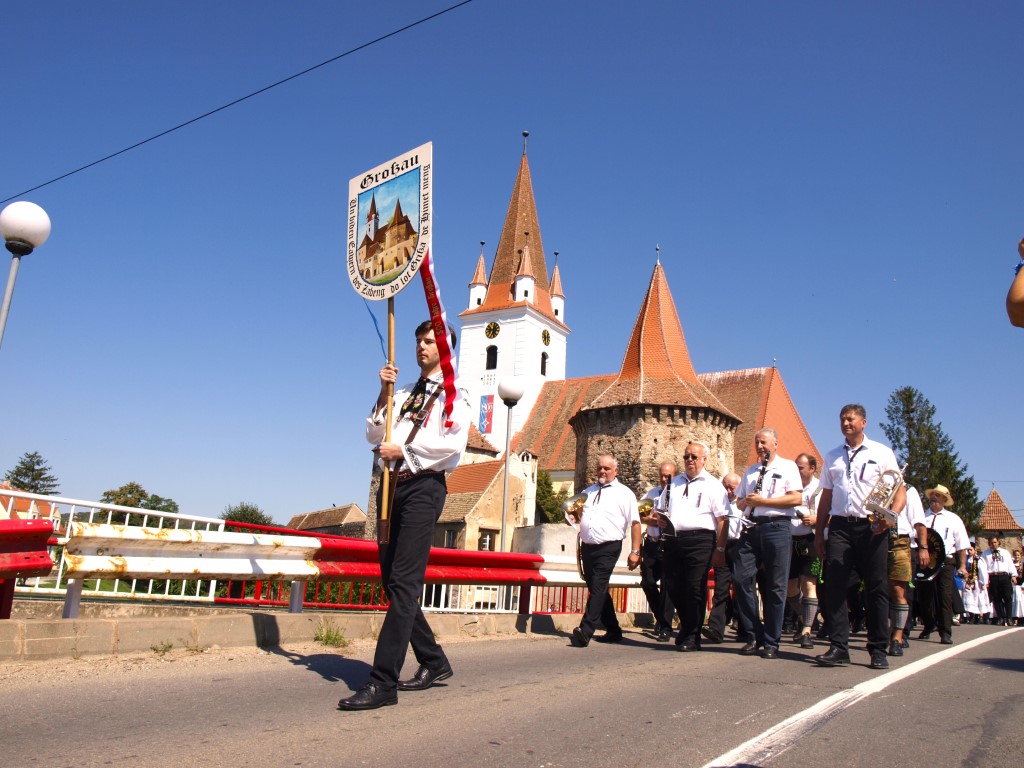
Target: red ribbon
{"points": [[438, 320]]}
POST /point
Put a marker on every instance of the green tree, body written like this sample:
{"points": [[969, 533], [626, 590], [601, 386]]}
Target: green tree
{"points": [[134, 495], [160, 504], [549, 503], [919, 441], [33, 475], [246, 512]]}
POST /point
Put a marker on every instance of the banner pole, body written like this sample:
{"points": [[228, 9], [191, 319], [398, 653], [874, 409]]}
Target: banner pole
{"points": [[384, 526]]}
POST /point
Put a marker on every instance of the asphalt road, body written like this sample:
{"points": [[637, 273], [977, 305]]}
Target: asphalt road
{"points": [[524, 701]]}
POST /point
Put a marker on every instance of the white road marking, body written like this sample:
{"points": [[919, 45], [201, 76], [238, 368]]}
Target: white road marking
{"points": [[777, 739]]}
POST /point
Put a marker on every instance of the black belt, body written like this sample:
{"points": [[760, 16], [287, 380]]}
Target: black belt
{"points": [[803, 536], [759, 519], [405, 475], [846, 520]]}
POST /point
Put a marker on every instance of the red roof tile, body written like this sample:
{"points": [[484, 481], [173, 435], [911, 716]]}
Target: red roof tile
{"points": [[477, 441], [997, 516], [23, 508], [473, 478], [556, 283]]}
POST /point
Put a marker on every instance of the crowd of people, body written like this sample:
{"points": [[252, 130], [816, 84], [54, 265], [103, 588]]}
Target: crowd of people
{"points": [[798, 556]]}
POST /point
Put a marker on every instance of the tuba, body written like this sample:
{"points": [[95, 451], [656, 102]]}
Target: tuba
{"points": [[879, 501]]}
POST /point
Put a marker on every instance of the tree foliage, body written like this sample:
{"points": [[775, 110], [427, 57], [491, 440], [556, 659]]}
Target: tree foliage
{"points": [[134, 495], [33, 475], [549, 503], [246, 512], [919, 441]]}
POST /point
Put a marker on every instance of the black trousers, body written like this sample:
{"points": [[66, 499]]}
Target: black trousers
{"points": [[721, 603], [598, 563], [1000, 592], [652, 572], [852, 546], [403, 564], [687, 559], [935, 599]]}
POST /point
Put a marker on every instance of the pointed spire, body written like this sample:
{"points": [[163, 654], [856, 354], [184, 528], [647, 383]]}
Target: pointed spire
{"points": [[656, 368], [525, 265], [526, 135], [373, 206], [556, 281], [657, 254], [480, 276], [398, 216]]}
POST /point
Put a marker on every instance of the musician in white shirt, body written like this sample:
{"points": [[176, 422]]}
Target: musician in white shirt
{"points": [[652, 570], [805, 565], [936, 596], [1002, 575]]}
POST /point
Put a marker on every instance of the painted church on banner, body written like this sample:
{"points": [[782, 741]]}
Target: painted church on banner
{"points": [[644, 413]]}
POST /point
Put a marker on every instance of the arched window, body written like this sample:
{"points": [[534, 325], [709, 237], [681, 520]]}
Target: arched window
{"points": [[543, 363], [492, 357]]}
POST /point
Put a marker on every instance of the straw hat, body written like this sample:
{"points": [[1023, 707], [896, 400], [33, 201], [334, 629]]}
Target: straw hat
{"points": [[940, 490]]}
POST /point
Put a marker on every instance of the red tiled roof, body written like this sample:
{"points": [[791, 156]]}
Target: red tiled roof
{"points": [[759, 397], [23, 508], [556, 283], [656, 368], [997, 516], [480, 276], [520, 219], [473, 478], [477, 441], [349, 513]]}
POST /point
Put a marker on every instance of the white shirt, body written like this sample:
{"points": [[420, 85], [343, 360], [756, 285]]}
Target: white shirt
{"points": [[780, 477], [1004, 563], [952, 530], [809, 496], [911, 515], [658, 495], [435, 447], [608, 513], [734, 523], [698, 503], [851, 473]]}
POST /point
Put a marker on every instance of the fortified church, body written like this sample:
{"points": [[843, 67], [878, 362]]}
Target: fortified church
{"points": [[644, 413]]}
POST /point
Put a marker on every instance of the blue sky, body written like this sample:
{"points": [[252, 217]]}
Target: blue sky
{"points": [[836, 186]]}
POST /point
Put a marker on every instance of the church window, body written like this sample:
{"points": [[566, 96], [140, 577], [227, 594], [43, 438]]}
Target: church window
{"points": [[492, 357], [543, 363]]}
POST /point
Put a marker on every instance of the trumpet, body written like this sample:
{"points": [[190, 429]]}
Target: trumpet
{"points": [[573, 507], [644, 506], [879, 501]]}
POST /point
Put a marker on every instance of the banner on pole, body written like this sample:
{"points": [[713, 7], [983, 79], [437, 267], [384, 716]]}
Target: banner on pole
{"points": [[389, 223]]}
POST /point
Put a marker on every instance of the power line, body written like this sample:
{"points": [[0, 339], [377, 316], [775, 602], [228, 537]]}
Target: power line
{"points": [[240, 100]]}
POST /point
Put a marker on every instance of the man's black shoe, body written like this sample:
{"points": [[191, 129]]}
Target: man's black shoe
{"points": [[663, 636], [946, 639], [857, 627], [609, 637], [769, 653], [895, 648], [878, 660], [687, 647], [710, 635], [579, 639], [369, 697], [806, 641], [750, 649], [925, 634], [425, 677], [833, 658], [906, 640]]}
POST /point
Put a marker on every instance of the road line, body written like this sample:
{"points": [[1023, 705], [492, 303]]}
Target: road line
{"points": [[777, 739]]}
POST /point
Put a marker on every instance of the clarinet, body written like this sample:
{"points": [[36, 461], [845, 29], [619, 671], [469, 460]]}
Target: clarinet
{"points": [[760, 478]]}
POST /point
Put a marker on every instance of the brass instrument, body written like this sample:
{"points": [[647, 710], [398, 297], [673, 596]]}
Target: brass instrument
{"points": [[879, 501], [936, 555], [645, 506], [573, 509]]}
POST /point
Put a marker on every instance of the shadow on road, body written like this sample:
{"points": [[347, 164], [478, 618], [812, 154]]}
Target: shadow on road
{"points": [[332, 667]]}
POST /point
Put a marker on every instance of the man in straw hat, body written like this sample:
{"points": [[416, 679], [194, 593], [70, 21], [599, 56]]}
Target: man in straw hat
{"points": [[936, 596]]}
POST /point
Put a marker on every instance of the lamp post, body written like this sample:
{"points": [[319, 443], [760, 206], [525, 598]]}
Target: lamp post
{"points": [[24, 226], [511, 392]]}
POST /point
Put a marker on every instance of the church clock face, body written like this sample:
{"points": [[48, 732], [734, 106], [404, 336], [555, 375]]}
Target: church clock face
{"points": [[545, 336], [492, 330]]}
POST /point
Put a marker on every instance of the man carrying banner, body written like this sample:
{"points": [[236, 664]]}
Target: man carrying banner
{"points": [[424, 446]]}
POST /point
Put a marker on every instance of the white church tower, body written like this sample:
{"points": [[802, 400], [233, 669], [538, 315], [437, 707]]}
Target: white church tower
{"points": [[514, 326]]}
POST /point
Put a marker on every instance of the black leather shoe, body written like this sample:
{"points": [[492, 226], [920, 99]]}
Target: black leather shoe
{"points": [[769, 653], [806, 641], [664, 636], [579, 639], [687, 647], [878, 660], [609, 637], [925, 634], [369, 697], [710, 635], [425, 677], [946, 639], [906, 640], [749, 649], [895, 648], [822, 633], [833, 658]]}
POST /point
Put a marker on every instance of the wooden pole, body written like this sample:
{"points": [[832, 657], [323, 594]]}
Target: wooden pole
{"points": [[384, 525]]}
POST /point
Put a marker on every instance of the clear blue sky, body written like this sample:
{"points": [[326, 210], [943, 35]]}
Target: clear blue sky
{"points": [[833, 185]]}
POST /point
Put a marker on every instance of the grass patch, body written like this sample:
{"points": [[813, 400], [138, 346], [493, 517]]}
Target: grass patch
{"points": [[161, 649], [328, 634]]}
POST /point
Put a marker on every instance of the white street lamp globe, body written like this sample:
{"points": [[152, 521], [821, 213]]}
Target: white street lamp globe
{"points": [[24, 222], [511, 391]]}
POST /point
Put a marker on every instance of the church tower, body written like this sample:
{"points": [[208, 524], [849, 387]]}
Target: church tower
{"points": [[511, 329]]}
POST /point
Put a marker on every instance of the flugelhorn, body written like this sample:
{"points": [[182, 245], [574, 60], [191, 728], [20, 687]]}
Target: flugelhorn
{"points": [[573, 506], [879, 501]]}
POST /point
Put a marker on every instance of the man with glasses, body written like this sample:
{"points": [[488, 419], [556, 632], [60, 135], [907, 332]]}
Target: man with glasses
{"points": [[608, 515], [698, 509], [768, 495], [855, 543], [651, 569]]}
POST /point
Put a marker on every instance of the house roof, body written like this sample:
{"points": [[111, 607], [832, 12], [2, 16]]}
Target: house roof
{"points": [[348, 513], [520, 219], [466, 484], [477, 441], [480, 276], [23, 508], [759, 397], [556, 282], [997, 516], [656, 368]]}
